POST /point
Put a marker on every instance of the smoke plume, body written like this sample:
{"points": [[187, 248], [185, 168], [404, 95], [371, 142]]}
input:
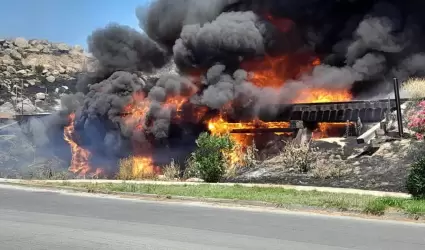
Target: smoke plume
{"points": [[219, 47]]}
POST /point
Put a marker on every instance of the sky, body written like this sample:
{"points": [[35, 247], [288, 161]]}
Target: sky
{"points": [[68, 21]]}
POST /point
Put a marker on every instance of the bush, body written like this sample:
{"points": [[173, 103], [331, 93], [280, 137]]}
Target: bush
{"points": [[209, 157], [299, 156], [39, 69], [171, 171], [190, 170], [415, 182], [417, 120], [128, 171]]}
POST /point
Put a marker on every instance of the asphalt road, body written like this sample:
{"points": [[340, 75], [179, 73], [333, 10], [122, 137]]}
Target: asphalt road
{"points": [[53, 220]]}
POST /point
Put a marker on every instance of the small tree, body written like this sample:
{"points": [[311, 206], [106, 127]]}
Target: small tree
{"points": [[209, 157]]}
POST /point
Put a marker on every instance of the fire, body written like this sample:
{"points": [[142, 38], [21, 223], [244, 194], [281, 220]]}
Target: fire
{"points": [[274, 72], [142, 166], [80, 157], [218, 126], [175, 102], [136, 115], [325, 130], [270, 72], [136, 111], [323, 95]]}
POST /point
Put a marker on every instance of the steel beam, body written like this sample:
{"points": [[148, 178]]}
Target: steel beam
{"points": [[367, 111]]}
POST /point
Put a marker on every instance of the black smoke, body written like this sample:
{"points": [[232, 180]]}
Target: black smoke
{"points": [[195, 49], [118, 47]]}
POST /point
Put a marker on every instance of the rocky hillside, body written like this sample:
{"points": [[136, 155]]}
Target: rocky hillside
{"points": [[39, 71]]}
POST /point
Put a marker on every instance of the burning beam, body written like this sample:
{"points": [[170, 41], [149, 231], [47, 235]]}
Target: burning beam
{"points": [[262, 130]]}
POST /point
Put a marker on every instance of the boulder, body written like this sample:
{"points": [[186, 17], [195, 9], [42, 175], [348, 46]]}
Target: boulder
{"points": [[15, 54], [62, 47], [7, 108], [30, 62], [32, 82], [11, 70], [51, 79], [25, 106], [7, 60], [21, 72], [40, 96], [61, 70], [34, 42], [21, 42], [33, 50], [39, 47]]}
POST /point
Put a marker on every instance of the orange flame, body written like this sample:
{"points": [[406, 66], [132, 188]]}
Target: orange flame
{"points": [[273, 72], [323, 95], [136, 115], [137, 112], [142, 166], [218, 126], [80, 156]]}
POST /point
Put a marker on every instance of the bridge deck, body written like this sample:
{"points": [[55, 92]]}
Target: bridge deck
{"points": [[368, 111]]}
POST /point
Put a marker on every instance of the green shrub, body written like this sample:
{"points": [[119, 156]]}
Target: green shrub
{"points": [[209, 157], [39, 69], [415, 183]]}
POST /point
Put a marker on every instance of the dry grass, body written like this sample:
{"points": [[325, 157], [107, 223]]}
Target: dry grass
{"points": [[331, 167], [250, 155], [127, 171], [415, 87], [299, 156], [303, 158], [190, 170], [171, 171]]}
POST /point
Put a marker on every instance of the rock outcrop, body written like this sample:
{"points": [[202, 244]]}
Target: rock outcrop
{"points": [[34, 73]]}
